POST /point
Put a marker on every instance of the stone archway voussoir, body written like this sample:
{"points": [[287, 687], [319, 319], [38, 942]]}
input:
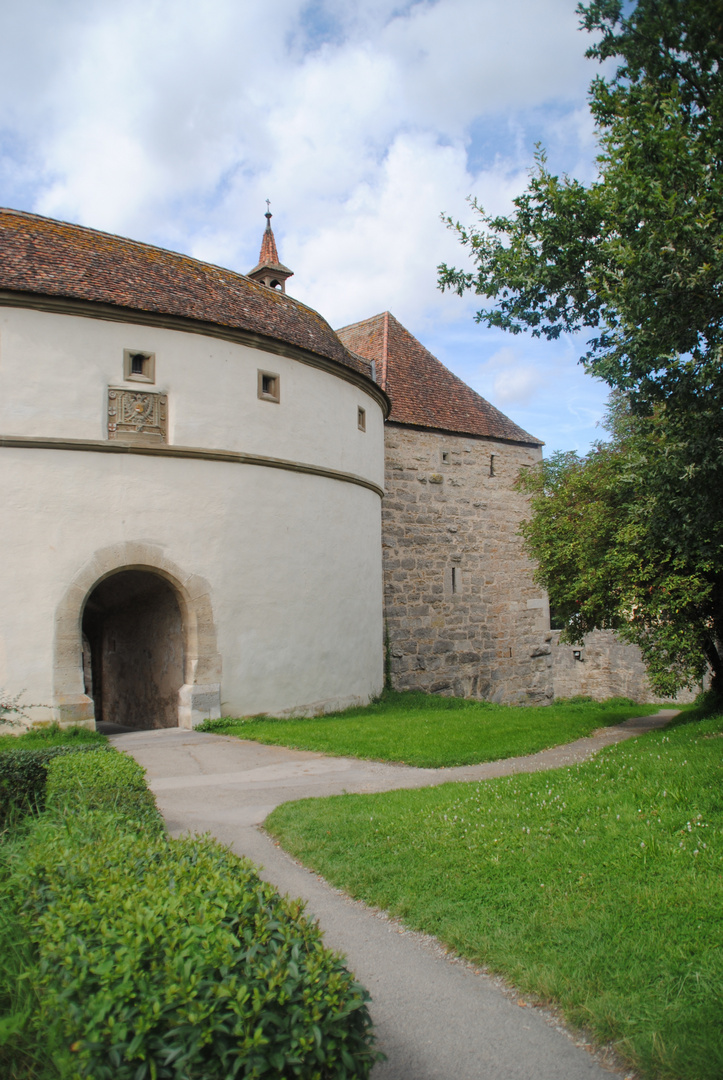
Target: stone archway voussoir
{"points": [[200, 696]]}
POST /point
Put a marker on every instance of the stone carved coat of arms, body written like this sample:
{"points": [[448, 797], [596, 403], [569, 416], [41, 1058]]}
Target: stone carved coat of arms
{"points": [[137, 415]]}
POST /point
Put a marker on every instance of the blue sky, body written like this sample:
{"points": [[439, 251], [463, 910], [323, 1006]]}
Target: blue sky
{"points": [[171, 121]]}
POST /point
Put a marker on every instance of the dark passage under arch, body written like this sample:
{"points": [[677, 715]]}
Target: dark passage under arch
{"points": [[133, 650]]}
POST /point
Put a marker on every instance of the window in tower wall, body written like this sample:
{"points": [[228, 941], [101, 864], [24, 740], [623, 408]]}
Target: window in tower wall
{"points": [[139, 366], [269, 386]]}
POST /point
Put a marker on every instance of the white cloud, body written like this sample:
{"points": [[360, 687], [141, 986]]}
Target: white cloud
{"points": [[134, 106], [172, 121], [463, 58], [513, 380], [381, 246]]}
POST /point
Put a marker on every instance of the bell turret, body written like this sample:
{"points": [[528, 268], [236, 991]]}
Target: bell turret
{"points": [[269, 271]]}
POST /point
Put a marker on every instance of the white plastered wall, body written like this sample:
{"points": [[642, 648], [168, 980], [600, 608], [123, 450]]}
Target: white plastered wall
{"points": [[55, 371], [291, 561]]}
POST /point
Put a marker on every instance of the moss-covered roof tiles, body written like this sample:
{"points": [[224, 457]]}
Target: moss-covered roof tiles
{"points": [[55, 259], [423, 391]]}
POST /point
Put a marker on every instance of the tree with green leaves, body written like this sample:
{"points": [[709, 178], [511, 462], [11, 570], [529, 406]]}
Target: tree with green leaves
{"points": [[636, 258], [623, 540]]}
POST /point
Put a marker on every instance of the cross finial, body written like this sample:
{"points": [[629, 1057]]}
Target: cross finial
{"points": [[268, 215]]}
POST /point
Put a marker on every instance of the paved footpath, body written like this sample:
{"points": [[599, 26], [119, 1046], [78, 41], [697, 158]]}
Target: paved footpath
{"points": [[435, 1018]]}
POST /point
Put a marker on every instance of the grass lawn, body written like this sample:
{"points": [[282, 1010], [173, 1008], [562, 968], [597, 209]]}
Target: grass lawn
{"points": [[54, 735], [430, 731], [599, 887]]}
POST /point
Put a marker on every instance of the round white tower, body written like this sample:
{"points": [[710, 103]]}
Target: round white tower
{"points": [[192, 470]]}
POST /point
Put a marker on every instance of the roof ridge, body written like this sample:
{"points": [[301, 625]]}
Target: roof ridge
{"points": [[114, 236], [363, 322], [424, 392], [385, 347], [48, 257], [143, 245]]}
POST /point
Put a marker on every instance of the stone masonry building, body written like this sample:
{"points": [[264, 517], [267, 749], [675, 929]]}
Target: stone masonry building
{"points": [[463, 615]]}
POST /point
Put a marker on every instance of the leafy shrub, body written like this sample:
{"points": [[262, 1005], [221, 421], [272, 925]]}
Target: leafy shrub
{"points": [[150, 959], [23, 775], [709, 701], [223, 723], [172, 960], [110, 781], [24, 1052]]}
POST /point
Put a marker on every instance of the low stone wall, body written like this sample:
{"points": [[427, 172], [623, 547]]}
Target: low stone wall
{"points": [[607, 668]]}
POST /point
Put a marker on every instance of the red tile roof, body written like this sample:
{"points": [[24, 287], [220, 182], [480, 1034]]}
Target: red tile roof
{"points": [[269, 256], [56, 259], [268, 253], [424, 392]]}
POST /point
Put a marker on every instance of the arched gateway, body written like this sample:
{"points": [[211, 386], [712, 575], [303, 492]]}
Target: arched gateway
{"points": [[132, 641], [133, 650]]}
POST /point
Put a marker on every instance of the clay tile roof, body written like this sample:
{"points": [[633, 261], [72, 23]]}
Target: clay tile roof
{"points": [[268, 253], [55, 259], [269, 256], [423, 391]]}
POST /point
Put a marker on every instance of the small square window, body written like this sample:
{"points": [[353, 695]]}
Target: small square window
{"points": [[139, 366], [361, 418], [269, 386], [445, 457]]}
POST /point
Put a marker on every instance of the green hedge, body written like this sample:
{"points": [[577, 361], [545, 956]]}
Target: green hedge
{"points": [[23, 775], [110, 781], [161, 959]]}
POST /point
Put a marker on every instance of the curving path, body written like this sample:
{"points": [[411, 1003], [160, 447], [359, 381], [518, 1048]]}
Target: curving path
{"points": [[435, 1018]]}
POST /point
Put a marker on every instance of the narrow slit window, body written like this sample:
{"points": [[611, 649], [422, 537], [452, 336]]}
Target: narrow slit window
{"points": [[269, 386], [445, 457], [492, 464], [455, 579], [361, 418]]}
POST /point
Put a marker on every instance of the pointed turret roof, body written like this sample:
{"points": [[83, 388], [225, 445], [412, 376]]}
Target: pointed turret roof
{"points": [[268, 256], [269, 270], [424, 392]]}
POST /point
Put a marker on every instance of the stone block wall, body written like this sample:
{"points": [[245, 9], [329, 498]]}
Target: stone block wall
{"points": [[463, 614], [607, 668]]}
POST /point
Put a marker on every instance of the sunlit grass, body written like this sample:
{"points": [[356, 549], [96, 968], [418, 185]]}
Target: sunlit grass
{"points": [[599, 887], [54, 735], [429, 731]]}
